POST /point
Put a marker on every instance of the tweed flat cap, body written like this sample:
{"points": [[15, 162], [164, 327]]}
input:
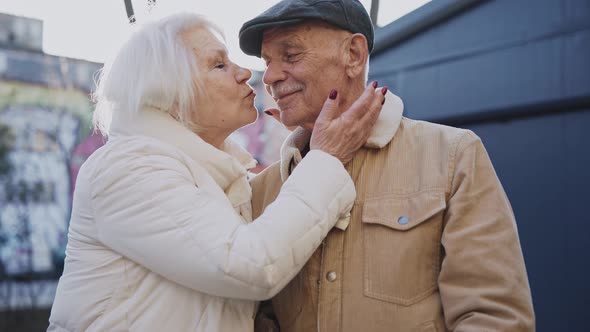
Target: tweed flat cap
{"points": [[346, 14]]}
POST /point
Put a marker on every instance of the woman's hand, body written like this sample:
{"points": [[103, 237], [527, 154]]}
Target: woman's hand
{"points": [[341, 134]]}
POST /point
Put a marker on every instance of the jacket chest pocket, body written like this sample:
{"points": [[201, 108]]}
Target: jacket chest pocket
{"points": [[401, 243]]}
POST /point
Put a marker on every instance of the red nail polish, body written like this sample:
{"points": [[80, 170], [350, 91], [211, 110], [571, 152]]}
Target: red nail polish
{"points": [[268, 112], [333, 94], [375, 84], [384, 90]]}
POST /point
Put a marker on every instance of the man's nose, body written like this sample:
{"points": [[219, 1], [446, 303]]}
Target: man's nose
{"points": [[273, 74]]}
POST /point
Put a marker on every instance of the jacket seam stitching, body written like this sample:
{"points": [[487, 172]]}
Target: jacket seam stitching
{"points": [[452, 165]]}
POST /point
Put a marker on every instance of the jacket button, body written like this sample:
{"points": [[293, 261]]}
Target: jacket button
{"points": [[403, 220], [331, 276]]}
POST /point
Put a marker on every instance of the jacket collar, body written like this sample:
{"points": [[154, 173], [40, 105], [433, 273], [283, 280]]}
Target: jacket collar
{"points": [[225, 166], [381, 134]]}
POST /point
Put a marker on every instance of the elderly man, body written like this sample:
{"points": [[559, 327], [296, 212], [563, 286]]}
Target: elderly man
{"points": [[432, 243]]}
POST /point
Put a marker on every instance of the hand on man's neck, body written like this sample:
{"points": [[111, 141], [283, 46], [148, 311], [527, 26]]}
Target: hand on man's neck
{"points": [[346, 97]]}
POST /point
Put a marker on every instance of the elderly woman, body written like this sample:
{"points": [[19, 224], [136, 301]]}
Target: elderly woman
{"points": [[161, 236]]}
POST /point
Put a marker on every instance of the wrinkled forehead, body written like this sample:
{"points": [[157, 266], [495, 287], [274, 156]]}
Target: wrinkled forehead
{"points": [[204, 41]]}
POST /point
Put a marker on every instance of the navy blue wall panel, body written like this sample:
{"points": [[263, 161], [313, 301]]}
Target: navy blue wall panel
{"points": [[576, 74], [543, 163], [577, 257], [489, 81], [518, 74], [577, 12], [498, 55]]}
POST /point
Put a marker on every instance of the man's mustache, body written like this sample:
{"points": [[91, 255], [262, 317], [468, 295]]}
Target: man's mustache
{"points": [[278, 90]]}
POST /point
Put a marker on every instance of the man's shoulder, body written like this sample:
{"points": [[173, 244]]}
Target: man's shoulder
{"points": [[434, 133], [431, 127]]}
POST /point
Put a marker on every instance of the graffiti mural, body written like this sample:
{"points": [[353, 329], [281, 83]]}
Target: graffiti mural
{"points": [[52, 138], [36, 198]]}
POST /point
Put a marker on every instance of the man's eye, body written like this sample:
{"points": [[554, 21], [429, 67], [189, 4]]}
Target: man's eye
{"points": [[292, 56], [220, 65]]}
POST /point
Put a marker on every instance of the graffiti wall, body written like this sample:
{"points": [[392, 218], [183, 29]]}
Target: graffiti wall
{"points": [[52, 137]]}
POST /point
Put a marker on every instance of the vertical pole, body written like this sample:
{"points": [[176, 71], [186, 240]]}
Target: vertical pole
{"points": [[130, 13], [374, 11]]}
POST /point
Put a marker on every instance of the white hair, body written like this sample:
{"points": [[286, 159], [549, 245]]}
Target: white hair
{"points": [[154, 68]]}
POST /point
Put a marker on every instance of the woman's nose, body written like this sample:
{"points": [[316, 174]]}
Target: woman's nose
{"points": [[243, 75]]}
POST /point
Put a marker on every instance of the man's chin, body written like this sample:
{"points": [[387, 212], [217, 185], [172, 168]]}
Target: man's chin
{"points": [[288, 121]]}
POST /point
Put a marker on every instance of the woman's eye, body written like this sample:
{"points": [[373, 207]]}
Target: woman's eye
{"points": [[220, 65]]}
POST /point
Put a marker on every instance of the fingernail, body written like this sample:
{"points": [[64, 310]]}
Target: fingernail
{"points": [[268, 112], [384, 90], [375, 84], [333, 94]]}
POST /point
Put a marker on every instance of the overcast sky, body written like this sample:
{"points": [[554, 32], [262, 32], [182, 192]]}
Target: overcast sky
{"points": [[91, 29]]}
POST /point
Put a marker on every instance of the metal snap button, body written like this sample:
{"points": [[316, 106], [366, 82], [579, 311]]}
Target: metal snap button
{"points": [[331, 276], [403, 220]]}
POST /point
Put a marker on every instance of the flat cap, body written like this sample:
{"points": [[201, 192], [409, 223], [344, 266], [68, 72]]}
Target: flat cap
{"points": [[346, 14]]}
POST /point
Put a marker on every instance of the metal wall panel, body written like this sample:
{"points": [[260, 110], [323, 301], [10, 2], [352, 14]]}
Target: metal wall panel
{"points": [[518, 74]]}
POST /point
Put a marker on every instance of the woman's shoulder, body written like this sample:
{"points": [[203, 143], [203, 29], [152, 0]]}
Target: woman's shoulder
{"points": [[137, 146], [136, 155]]}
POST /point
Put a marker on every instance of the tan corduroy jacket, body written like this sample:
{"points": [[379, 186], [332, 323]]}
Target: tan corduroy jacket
{"points": [[432, 244]]}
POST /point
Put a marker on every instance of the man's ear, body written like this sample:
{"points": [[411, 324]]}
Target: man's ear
{"points": [[357, 55]]}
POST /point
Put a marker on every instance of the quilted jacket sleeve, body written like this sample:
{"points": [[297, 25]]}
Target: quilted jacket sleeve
{"points": [[148, 209]]}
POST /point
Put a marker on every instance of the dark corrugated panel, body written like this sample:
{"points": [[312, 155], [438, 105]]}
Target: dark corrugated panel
{"points": [[429, 15], [518, 74]]}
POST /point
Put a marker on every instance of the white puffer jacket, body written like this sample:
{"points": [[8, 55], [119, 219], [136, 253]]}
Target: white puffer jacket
{"points": [[155, 242]]}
